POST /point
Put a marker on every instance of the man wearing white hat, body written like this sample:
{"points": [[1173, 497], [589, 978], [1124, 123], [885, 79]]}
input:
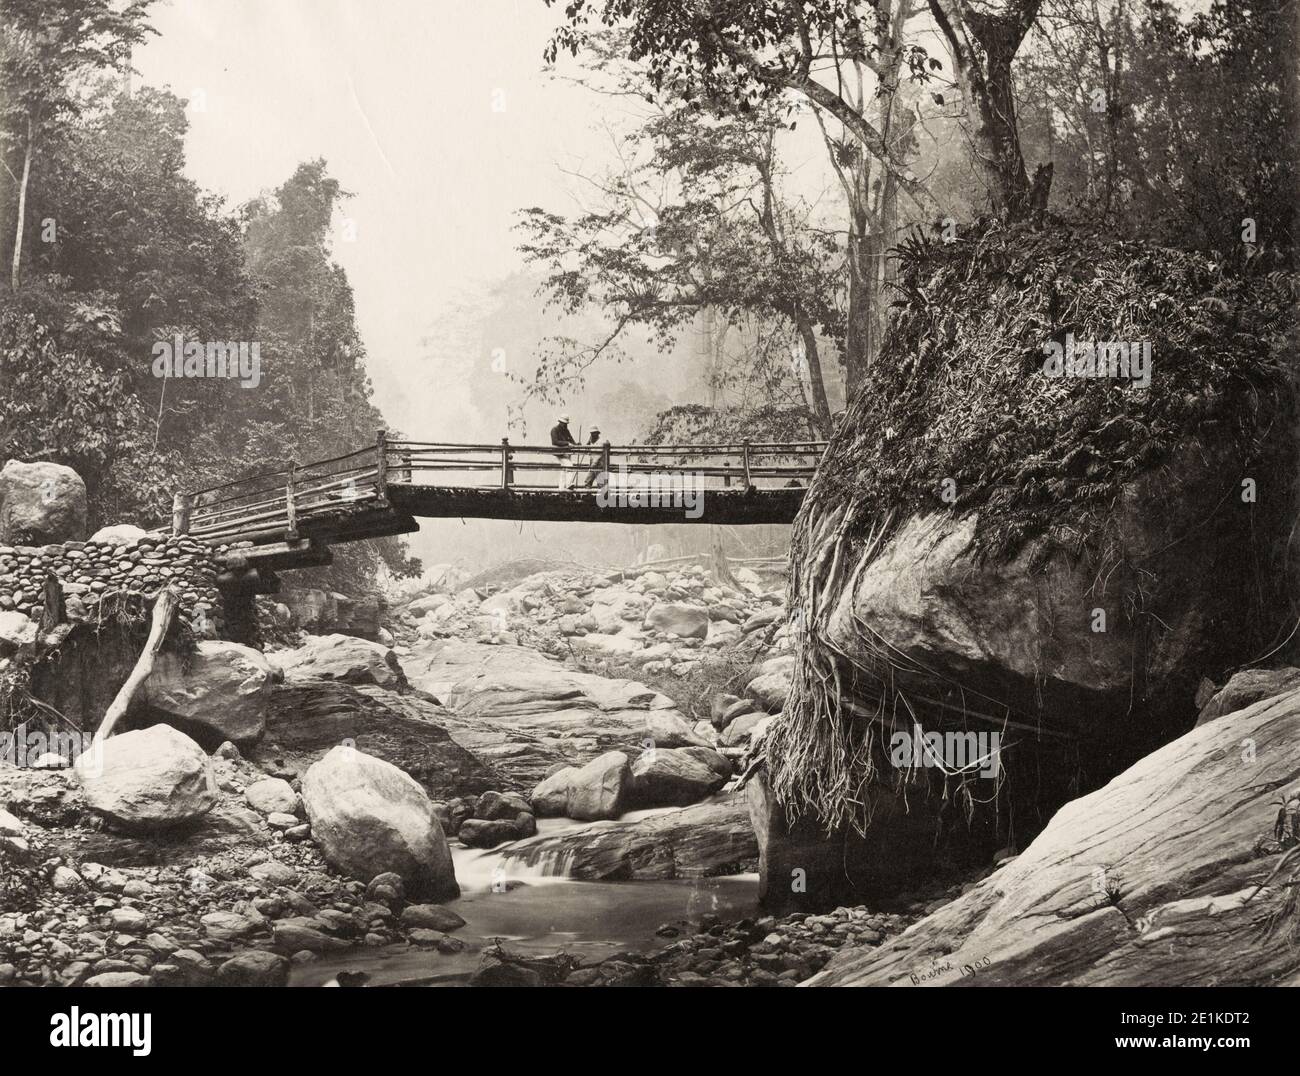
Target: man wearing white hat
{"points": [[562, 438]]}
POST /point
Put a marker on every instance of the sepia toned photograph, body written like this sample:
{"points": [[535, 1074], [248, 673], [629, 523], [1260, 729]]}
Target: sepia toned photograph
{"points": [[569, 494]]}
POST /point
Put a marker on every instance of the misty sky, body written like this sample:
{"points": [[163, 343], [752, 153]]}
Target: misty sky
{"points": [[398, 96]]}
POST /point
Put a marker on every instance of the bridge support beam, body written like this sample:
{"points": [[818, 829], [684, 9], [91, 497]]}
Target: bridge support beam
{"points": [[239, 589]]}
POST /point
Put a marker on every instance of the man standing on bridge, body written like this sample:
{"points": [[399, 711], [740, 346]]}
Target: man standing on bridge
{"points": [[595, 473], [562, 438]]}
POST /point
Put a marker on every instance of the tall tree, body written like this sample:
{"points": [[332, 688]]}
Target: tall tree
{"points": [[693, 221], [46, 48], [315, 399], [983, 38], [1169, 124], [848, 60]]}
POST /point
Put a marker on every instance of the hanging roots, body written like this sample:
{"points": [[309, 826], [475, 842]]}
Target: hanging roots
{"points": [[821, 754], [958, 397]]}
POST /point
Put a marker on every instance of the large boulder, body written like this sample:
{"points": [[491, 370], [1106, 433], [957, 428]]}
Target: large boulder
{"points": [[667, 728], [550, 798], [771, 682], [686, 621], [993, 542], [325, 612], [41, 504], [370, 818], [677, 777], [254, 967], [427, 603], [309, 717], [482, 833], [738, 733], [220, 692], [342, 657], [762, 619], [1032, 640], [600, 789], [1152, 878], [148, 779], [1247, 688]]}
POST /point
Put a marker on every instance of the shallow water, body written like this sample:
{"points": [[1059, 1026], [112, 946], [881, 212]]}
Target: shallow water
{"points": [[541, 914]]}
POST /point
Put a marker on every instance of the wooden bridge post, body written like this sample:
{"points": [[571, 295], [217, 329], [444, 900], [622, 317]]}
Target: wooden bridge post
{"points": [[604, 461], [291, 504], [182, 503], [748, 483], [381, 466], [506, 476]]}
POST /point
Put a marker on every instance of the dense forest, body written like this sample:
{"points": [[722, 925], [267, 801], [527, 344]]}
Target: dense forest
{"points": [[111, 249], [772, 285], [1129, 119], [879, 559]]}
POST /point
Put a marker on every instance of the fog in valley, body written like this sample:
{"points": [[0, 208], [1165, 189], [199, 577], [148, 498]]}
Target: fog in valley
{"points": [[443, 121]]}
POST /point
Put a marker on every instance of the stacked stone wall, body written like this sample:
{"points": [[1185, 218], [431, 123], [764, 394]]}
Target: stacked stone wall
{"points": [[93, 572]]}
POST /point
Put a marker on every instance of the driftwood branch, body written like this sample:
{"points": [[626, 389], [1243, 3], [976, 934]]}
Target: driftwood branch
{"points": [[164, 611]]}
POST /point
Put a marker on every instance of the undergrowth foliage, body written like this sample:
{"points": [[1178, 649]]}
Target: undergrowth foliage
{"points": [[958, 393], [124, 615]]}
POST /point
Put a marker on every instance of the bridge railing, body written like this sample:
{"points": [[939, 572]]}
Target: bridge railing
{"points": [[278, 501], [764, 465]]}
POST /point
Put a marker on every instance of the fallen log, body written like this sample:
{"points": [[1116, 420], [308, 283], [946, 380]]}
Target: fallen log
{"points": [[164, 612]]}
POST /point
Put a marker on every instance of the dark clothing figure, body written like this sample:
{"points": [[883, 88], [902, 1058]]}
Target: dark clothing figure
{"points": [[561, 438]]}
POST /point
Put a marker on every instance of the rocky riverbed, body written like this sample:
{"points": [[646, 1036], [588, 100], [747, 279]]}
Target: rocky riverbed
{"points": [[159, 863], [473, 796]]}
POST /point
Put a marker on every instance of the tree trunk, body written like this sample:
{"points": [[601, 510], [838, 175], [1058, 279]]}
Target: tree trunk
{"points": [[889, 44], [803, 324], [719, 563], [858, 341], [996, 133], [983, 44], [820, 405], [22, 210]]}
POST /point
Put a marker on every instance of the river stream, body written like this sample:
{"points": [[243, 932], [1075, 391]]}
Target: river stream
{"points": [[538, 911]]}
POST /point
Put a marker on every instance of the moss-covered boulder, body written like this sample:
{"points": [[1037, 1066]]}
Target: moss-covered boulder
{"points": [[1008, 537]]}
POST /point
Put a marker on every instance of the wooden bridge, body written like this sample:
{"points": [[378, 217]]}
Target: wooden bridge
{"points": [[290, 518]]}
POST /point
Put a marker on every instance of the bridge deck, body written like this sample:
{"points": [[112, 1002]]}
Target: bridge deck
{"points": [[292, 516]]}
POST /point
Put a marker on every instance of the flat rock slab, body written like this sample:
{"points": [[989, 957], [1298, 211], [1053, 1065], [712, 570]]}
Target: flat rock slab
{"points": [[1143, 881], [502, 681], [525, 713], [702, 841], [341, 657], [308, 717]]}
